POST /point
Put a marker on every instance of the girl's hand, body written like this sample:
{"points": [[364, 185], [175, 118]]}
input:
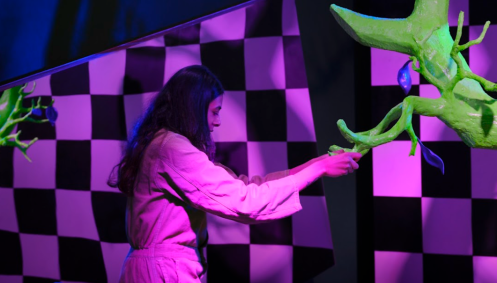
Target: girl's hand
{"points": [[341, 164]]}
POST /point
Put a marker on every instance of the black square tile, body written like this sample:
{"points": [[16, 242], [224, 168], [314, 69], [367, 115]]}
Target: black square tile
{"points": [[484, 227], [264, 18], [391, 8], [226, 60], [384, 98], [109, 210], [294, 62], [397, 224], [35, 210], [447, 268], [43, 131], [456, 182], [11, 255], [299, 153], [228, 263], [233, 155], [309, 262], [266, 115], [73, 170], [108, 120], [277, 232], [481, 11], [183, 36], [7, 166], [75, 80], [144, 71], [81, 260]]}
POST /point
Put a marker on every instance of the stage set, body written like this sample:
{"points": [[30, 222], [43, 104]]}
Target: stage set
{"points": [[422, 207]]}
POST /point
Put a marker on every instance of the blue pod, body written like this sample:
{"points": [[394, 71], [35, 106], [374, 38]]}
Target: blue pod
{"points": [[404, 78], [432, 158]]}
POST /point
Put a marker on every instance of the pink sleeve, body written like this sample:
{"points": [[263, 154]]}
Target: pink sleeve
{"points": [[187, 173], [255, 179]]}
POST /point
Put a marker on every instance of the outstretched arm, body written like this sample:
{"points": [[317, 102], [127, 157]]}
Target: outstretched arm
{"points": [[337, 165]]}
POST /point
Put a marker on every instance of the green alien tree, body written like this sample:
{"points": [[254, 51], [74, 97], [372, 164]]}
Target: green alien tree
{"points": [[424, 36], [12, 112]]}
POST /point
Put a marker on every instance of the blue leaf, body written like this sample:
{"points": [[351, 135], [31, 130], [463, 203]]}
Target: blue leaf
{"points": [[432, 158], [51, 114], [36, 112], [404, 78]]}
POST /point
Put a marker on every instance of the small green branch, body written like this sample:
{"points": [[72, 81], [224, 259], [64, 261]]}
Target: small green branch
{"points": [[23, 147], [14, 113], [423, 71], [456, 48], [414, 139]]}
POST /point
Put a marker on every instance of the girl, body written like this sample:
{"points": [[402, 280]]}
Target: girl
{"points": [[171, 182]]}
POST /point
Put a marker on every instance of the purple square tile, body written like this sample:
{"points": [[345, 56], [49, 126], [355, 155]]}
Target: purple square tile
{"points": [[11, 278], [456, 6], [133, 110], [266, 157], [300, 125], [233, 118], [385, 65], [42, 87], [114, 255], [395, 173], [264, 63], [134, 107], [40, 173], [482, 57], [447, 226], [315, 233], [483, 177], [431, 128], [181, 56], [484, 269], [264, 267], [107, 73], [230, 26], [395, 267], [74, 121], [105, 155], [40, 256], [154, 42], [8, 219], [74, 214], [224, 231], [290, 23]]}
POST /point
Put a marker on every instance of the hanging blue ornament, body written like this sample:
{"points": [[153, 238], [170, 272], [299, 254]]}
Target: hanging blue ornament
{"points": [[36, 112], [51, 114], [404, 78], [432, 158]]}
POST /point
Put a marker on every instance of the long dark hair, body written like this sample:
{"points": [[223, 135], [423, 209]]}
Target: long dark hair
{"points": [[180, 106]]}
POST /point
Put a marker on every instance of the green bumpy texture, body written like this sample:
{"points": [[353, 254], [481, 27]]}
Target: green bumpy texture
{"points": [[12, 113], [463, 105]]}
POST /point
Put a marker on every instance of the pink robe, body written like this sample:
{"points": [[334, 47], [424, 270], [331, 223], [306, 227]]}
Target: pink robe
{"points": [[176, 186]]}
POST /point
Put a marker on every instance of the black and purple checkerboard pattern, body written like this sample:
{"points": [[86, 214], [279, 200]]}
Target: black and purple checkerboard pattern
{"points": [[59, 221], [430, 227]]}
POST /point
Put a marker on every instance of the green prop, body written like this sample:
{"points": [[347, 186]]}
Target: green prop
{"points": [[424, 36], [12, 113]]}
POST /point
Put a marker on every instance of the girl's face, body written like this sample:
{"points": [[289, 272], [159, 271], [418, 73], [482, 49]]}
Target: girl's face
{"points": [[213, 118]]}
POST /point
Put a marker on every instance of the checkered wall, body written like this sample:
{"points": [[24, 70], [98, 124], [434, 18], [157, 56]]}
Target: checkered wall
{"points": [[430, 227], [59, 221]]}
